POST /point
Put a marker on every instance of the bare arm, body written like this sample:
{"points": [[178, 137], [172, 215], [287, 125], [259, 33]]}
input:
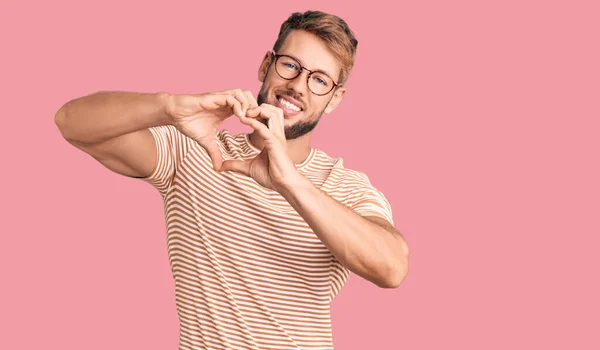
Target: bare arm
{"points": [[102, 116], [368, 246], [113, 128]]}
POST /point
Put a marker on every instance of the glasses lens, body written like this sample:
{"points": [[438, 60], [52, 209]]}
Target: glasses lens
{"points": [[320, 83], [287, 67]]}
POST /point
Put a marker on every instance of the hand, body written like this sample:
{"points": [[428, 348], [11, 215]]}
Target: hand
{"points": [[199, 116], [272, 167]]}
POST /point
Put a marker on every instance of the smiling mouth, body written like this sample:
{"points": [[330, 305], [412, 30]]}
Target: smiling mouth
{"points": [[288, 105]]}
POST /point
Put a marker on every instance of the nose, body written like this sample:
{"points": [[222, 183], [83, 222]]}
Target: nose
{"points": [[300, 83]]}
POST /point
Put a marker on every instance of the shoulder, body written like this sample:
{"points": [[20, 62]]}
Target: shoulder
{"points": [[344, 183], [355, 189], [350, 177]]}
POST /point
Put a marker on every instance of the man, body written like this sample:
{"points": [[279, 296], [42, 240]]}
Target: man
{"points": [[262, 229]]}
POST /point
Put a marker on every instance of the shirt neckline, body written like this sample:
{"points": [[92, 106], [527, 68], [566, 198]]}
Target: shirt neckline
{"points": [[302, 165]]}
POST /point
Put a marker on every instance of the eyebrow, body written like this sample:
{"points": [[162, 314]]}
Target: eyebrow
{"points": [[315, 70]]}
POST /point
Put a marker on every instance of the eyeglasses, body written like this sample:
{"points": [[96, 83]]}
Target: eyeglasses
{"points": [[289, 68]]}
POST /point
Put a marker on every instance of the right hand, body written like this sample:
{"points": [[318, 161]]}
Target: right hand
{"points": [[199, 116]]}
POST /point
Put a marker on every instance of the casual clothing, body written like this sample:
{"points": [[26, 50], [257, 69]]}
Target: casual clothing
{"points": [[249, 272]]}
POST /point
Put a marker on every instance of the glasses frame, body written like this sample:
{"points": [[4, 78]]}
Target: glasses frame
{"points": [[302, 68]]}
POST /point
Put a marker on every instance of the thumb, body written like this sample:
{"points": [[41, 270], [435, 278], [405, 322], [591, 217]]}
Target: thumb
{"points": [[214, 152], [236, 165]]}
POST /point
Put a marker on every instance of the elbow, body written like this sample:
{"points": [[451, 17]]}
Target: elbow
{"points": [[395, 279], [396, 272], [60, 119]]}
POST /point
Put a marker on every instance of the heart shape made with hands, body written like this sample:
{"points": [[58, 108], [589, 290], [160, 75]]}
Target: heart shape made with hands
{"points": [[272, 168]]}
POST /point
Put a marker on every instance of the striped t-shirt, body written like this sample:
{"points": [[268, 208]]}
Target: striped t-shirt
{"points": [[249, 272]]}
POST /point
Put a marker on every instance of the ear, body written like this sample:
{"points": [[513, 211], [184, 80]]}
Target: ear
{"points": [[264, 67], [335, 101]]}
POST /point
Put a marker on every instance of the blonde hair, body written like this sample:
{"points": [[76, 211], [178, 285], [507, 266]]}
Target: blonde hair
{"points": [[331, 29]]}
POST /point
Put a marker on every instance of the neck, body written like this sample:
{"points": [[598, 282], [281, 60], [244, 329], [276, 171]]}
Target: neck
{"points": [[298, 148]]}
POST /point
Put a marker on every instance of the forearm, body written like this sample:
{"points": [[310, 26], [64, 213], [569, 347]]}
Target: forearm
{"points": [[102, 116], [373, 252]]}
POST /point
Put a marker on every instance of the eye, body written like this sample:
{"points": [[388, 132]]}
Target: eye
{"points": [[320, 80], [290, 65]]}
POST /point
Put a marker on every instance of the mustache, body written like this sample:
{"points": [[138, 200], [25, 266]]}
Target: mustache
{"points": [[263, 95], [290, 94]]}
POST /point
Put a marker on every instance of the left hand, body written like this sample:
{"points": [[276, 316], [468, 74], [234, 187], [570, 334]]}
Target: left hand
{"points": [[272, 168]]}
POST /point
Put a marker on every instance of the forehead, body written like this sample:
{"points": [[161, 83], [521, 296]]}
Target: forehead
{"points": [[311, 51]]}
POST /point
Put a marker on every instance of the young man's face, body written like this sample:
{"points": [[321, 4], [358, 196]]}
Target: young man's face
{"points": [[313, 54]]}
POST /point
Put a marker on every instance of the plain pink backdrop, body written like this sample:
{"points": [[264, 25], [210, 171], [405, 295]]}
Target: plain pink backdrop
{"points": [[478, 120]]}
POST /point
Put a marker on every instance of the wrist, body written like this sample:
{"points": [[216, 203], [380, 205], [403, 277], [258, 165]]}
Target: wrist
{"points": [[293, 185], [164, 100]]}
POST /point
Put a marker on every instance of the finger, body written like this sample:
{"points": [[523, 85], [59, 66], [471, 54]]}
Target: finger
{"points": [[237, 166], [251, 99], [272, 108], [274, 117], [245, 98], [273, 144], [276, 121], [276, 111], [241, 96], [259, 127], [262, 114], [214, 152], [257, 112], [235, 105], [276, 124], [262, 111]]}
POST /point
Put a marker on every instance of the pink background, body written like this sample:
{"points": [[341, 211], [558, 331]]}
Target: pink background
{"points": [[478, 121]]}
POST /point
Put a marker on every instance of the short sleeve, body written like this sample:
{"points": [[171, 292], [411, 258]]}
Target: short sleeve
{"points": [[366, 200], [171, 148]]}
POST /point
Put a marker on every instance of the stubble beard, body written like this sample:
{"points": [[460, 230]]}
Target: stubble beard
{"points": [[296, 130]]}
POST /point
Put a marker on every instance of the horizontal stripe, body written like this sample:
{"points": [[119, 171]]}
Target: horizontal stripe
{"points": [[249, 272]]}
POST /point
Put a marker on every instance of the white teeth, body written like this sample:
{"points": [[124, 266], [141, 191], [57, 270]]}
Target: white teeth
{"points": [[289, 105]]}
